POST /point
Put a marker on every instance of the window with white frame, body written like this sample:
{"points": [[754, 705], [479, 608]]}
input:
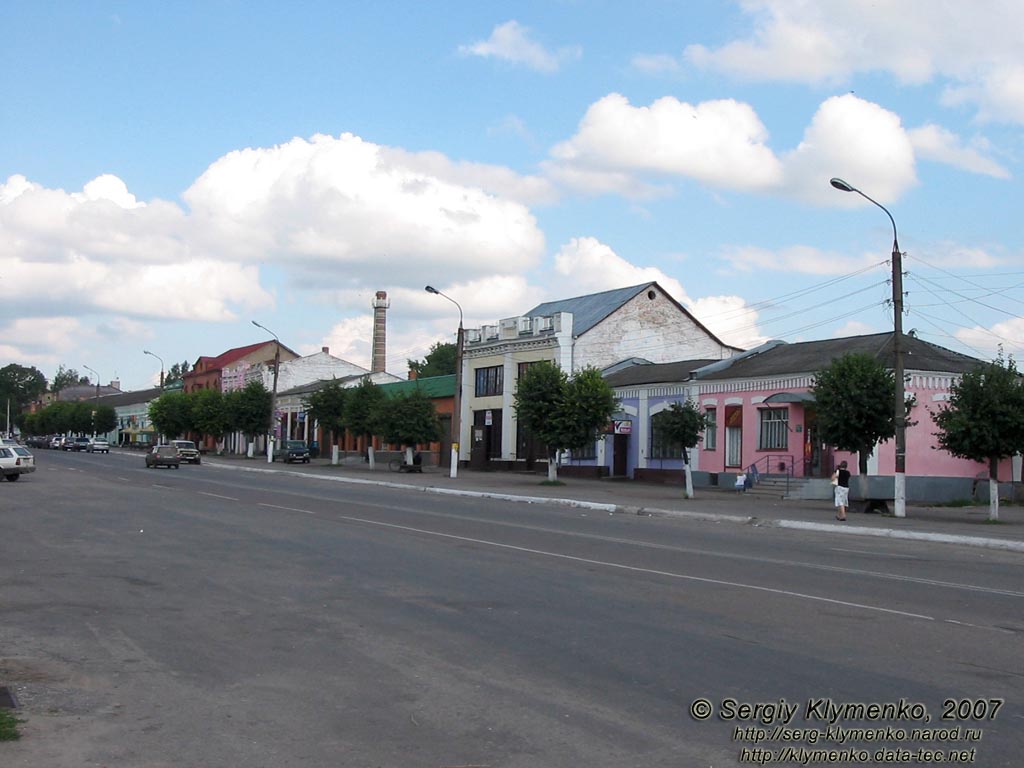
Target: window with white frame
{"points": [[774, 429], [711, 430]]}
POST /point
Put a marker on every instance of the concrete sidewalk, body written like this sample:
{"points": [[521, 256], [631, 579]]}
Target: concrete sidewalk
{"points": [[954, 525]]}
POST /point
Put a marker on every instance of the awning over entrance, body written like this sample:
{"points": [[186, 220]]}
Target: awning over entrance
{"points": [[789, 397]]}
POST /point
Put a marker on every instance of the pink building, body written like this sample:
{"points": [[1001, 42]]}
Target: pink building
{"points": [[764, 414]]}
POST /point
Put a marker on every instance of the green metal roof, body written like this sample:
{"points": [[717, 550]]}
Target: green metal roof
{"points": [[432, 386]]}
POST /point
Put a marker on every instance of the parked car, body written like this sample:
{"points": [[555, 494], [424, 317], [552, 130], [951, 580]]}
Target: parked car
{"points": [[163, 456], [292, 450], [76, 444], [98, 445], [15, 461], [56, 442], [187, 451]]}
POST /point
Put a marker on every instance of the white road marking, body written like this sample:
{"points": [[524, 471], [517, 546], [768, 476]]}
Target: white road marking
{"points": [[217, 496], [618, 566]]}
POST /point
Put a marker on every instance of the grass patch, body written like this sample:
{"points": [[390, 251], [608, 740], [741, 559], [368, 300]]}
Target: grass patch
{"points": [[552, 482], [9, 725]]}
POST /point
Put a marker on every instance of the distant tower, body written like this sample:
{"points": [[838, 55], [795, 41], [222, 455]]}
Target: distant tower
{"points": [[380, 331]]}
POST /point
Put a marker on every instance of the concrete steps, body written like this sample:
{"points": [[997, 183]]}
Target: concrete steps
{"points": [[776, 487]]}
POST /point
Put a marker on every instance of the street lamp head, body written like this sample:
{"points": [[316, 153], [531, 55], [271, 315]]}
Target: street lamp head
{"points": [[842, 185], [431, 289]]}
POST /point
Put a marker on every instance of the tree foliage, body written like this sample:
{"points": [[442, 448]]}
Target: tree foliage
{"points": [[364, 408], [329, 406], [408, 419], [984, 418], [854, 401], [175, 373], [440, 361], [562, 412], [209, 415], [21, 385], [66, 377], [683, 424], [171, 414], [104, 419], [248, 409]]}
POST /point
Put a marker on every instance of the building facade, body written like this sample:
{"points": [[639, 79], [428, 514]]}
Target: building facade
{"points": [[596, 330]]}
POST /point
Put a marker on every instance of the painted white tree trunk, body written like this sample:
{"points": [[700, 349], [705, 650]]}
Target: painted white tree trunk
{"points": [[553, 468], [334, 454], [370, 456], [689, 481], [408, 455], [993, 499]]}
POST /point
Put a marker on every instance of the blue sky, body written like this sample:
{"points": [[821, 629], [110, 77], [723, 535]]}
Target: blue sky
{"points": [[170, 172]]}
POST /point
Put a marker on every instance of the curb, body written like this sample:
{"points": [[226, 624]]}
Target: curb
{"points": [[940, 538]]}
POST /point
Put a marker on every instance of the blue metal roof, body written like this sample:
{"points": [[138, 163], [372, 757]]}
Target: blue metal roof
{"points": [[588, 311]]}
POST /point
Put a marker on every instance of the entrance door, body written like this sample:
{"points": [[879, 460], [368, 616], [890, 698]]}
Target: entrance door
{"points": [[620, 456]]}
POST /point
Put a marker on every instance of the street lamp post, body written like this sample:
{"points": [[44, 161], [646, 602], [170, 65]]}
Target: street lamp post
{"points": [[147, 352], [899, 401], [457, 404], [97, 403], [273, 392]]}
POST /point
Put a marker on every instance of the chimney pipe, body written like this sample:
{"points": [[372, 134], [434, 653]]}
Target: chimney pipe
{"points": [[380, 327]]}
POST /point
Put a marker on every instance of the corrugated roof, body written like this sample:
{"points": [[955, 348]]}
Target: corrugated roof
{"points": [[315, 386], [432, 386], [130, 398], [811, 356], [587, 311], [655, 373]]}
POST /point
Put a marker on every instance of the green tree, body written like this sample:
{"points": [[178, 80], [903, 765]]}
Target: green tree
{"points": [[66, 377], [364, 408], [683, 424], [329, 406], [104, 419], [248, 409], [563, 413], [171, 414], [20, 385], [440, 361], [56, 418], [209, 413], [984, 419], [854, 402], [408, 419], [175, 373]]}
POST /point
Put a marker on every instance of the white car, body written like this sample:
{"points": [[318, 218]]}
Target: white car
{"points": [[98, 445], [187, 451], [15, 461]]}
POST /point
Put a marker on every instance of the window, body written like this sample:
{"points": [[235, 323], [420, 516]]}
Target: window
{"points": [[489, 381], [586, 452], [711, 432], [661, 446], [774, 429]]}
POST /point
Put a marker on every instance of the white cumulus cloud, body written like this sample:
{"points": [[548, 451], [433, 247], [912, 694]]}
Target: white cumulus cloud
{"points": [[973, 49], [511, 42]]}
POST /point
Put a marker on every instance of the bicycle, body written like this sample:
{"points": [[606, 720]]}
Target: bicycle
{"points": [[401, 465]]}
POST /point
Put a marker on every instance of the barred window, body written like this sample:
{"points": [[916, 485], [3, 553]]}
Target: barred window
{"points": [[774, 429], [711, 431], [489, 381], [661, 446]]}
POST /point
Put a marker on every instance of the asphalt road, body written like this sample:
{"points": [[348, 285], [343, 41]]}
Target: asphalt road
{"points": [[210, 617]]}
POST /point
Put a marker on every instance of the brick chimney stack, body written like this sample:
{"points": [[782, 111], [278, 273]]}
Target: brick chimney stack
{"points": [[380, 332]]}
